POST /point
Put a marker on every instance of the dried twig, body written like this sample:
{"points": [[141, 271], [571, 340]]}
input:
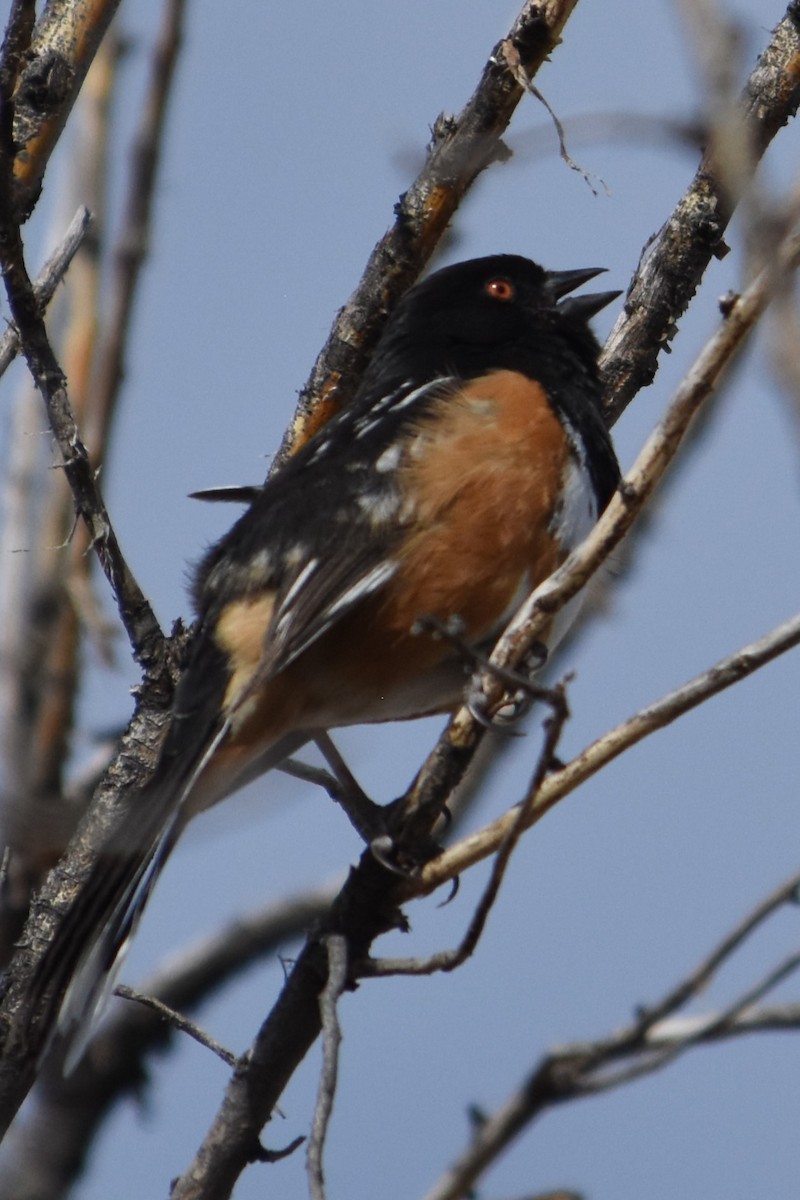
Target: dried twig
{"points": [[177, 1020], [449, 960], [521, 75], [703, 973], [336, 946], [605, 749], [48, 279]]}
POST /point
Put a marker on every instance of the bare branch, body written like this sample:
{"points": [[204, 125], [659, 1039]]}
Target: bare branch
{"points": [[559, 1078], [48, 279], [62, 48], [177, 1021], [484, 842], [331, 1040], [703, 973], [694, 1033], [673, 263], [461, 147], [449, 960]]}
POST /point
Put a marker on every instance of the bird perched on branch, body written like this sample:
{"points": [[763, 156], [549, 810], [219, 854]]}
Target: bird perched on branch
{"points": [[473, 457]]}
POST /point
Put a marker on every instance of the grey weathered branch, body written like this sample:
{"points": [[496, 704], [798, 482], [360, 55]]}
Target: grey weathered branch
{"points": [[461, 147], [63, 45], [675, 259], [48, 279]]}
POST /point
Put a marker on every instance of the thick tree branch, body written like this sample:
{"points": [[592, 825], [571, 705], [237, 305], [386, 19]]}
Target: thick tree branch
{"points": [[673, 262], [461, 147], [64, 43]]}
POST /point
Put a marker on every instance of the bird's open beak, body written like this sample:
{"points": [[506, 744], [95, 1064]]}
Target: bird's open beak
{"points": [[561, 283]]}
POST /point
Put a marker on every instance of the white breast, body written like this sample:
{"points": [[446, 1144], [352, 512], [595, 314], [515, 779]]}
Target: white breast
{"points": [[575, 517], [577, 512]]}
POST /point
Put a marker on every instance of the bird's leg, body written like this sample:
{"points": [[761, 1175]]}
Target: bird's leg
{"points": [[367, 818]]}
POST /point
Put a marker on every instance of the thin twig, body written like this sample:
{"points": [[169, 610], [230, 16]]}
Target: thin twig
{"points": [[48, 279], [695, 1034], [703, 973], [728, 671], [449, 960], [512, 57], [177, 1021], [336, 947], [135, 237]]}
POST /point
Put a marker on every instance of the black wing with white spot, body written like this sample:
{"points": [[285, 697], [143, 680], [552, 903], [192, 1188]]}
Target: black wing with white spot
{"points": [[322, 532]]}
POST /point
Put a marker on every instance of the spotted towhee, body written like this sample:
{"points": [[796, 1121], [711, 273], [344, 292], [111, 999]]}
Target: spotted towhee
{"points": [[472, 459]]}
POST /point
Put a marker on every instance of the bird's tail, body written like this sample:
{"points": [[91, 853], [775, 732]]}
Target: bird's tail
{"points": [[77, 971]]}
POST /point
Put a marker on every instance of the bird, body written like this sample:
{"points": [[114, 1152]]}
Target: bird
{"points": [[472, 458]]}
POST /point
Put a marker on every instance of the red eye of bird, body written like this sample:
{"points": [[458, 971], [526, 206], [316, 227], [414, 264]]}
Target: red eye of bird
{"points": [[500, 289]]}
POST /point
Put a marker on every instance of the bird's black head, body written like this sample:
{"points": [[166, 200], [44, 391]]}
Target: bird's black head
{"points": [[503, 311]]}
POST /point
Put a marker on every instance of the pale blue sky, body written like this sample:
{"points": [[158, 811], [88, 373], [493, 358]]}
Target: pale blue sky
{"points": [[293, 130]]}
